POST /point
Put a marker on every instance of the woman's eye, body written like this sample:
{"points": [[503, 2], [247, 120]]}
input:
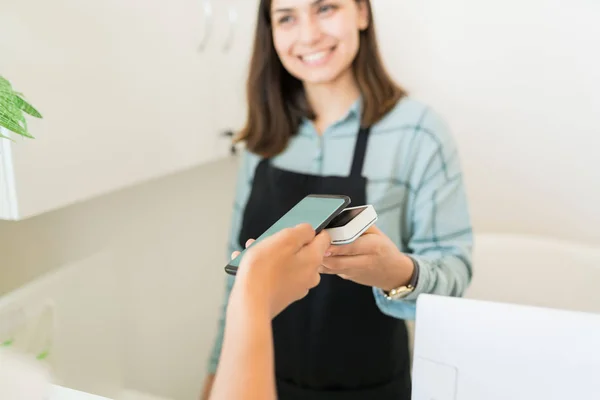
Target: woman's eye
{"points": [[326, 8], [285, 19]]}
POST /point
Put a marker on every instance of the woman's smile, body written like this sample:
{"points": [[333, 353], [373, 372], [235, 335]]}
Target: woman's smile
{"points": [[318, 58]]}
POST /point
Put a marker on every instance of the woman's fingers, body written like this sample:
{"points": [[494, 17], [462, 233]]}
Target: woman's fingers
{"points": [[237, 253], [345, 264]]}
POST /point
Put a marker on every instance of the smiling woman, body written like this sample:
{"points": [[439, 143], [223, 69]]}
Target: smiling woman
{"points": [[332, 26], [324, 117], [301, 49]]}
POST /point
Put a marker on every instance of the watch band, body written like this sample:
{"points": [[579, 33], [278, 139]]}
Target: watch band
{"points": [[402, 291], [414, 280]]}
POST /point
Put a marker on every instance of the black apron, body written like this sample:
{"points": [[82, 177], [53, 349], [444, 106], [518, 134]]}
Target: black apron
{"points": [[335, 343]]}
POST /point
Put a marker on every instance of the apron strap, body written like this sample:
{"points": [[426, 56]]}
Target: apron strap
{"points": [[359, 152]]}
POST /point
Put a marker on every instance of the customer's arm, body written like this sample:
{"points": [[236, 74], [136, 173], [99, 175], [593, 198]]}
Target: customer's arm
{"points": [[247, 164], [273, 274], [246, 367]]}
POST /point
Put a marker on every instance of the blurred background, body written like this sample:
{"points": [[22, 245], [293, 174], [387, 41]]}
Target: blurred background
{"points": [[115, 218]]}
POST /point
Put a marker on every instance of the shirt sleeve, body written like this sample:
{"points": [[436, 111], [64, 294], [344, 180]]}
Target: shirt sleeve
{"points": [[437, 226], [242, 192]]}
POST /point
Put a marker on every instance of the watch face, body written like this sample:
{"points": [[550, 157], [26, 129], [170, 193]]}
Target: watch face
{"points": [[400, 292]]}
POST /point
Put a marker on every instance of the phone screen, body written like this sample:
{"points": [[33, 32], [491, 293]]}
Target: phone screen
{"points": [[345, 216], [315, 210]]}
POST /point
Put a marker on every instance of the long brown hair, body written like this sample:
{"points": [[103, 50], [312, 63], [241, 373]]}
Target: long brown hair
{"points": [[276, 99]]}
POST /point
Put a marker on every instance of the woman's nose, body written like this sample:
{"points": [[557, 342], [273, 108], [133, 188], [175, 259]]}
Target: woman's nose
{"points": [[310, 31]]}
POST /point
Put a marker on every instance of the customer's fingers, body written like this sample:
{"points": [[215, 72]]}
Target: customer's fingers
{"points": [[304, 234], [249, 242], [322, 242], [320, 245], [235, 254], [315, 279], [314, 252], [293, 239]]}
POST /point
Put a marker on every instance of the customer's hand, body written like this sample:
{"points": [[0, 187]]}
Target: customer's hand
{"points": [[281, 269], [372, 260]]}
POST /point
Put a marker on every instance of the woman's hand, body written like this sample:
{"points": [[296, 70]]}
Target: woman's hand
{"points": [[372, 260]]}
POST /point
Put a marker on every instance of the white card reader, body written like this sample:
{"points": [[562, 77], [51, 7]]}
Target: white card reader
{"points": [[351, 223]]}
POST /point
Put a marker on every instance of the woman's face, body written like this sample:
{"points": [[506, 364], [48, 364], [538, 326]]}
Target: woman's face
{"points": [[317, 40]]}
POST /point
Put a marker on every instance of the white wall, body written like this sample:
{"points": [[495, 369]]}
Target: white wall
{"points": [[168, 238], [519, 83]]}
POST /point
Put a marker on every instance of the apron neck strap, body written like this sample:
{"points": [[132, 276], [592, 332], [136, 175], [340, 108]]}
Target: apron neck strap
{"points": [[359, 152]]}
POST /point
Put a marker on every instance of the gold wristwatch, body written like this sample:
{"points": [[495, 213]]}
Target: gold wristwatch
{"points": [[403, 291]]}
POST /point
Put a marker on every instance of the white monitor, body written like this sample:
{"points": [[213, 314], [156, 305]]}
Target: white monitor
{"points": [[478, 350]]}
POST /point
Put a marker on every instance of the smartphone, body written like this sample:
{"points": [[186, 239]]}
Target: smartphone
{"points": [[351, 223], [316, 210]]}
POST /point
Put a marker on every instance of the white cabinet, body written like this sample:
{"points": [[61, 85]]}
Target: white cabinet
{"points": [[125, 91], [237, 45]]}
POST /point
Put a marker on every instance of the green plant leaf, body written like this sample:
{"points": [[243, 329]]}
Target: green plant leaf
{"points": [[4, 83], [13, 108], [8, 104], [23, 121], [25, 106], [11, 111], [13, 126], [6, 90], [6, 95]]}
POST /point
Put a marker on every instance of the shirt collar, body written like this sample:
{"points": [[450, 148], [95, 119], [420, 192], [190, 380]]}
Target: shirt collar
{"points": [[355, 108], [354, 112]]}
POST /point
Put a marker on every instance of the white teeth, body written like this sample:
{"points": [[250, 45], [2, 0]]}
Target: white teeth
{"points": [[315, 56]]}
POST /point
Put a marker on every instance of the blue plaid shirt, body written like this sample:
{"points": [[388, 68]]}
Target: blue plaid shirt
{"points": [[414, 181]]}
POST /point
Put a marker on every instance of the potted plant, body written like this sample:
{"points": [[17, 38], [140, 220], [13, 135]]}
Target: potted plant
{"points": [[13, 108]]}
